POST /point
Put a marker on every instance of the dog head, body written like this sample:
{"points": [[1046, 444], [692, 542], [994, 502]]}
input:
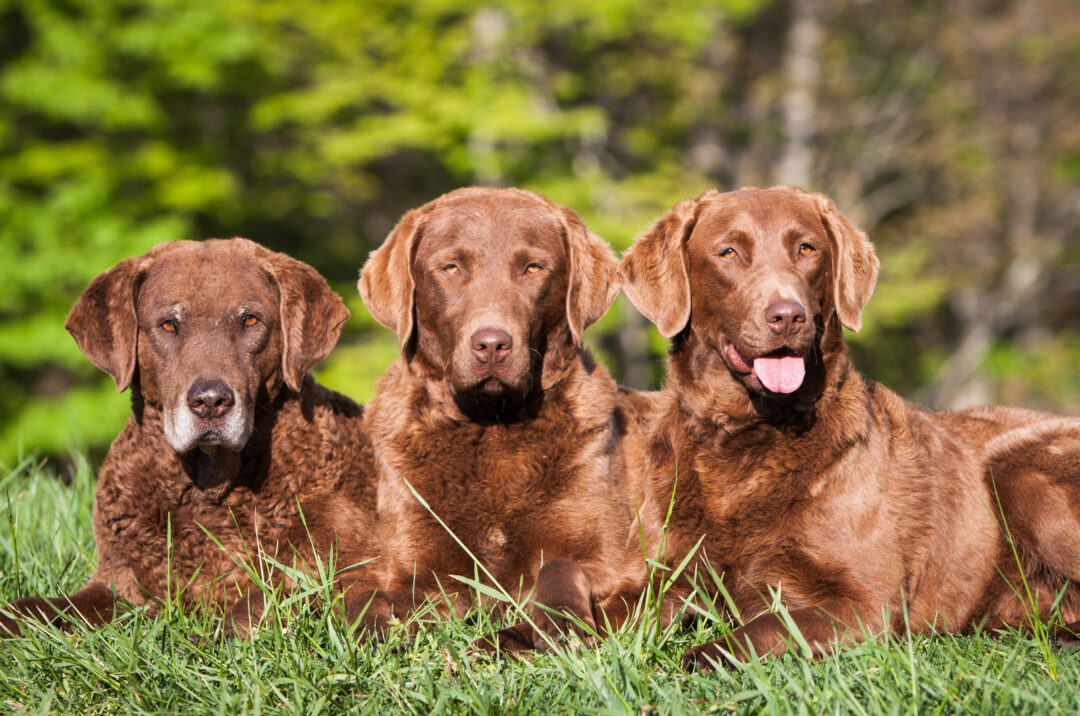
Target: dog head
{"points": [[488, 288], [206, 329], [754, 276]]}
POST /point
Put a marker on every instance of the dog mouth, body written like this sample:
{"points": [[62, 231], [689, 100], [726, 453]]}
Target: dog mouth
{"points": [[781, 371], [228, 436], [211, 437], [490, 386], [487, 387], [489, 397], [185, 431]]}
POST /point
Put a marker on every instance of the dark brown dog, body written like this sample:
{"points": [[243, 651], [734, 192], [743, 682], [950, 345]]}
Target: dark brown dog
{"points": [[801, 477], [228, 438], [493, 414]]}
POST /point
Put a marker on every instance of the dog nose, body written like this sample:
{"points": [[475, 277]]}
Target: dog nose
{"points": [[785, 317], [491, 345], [210, 398]]}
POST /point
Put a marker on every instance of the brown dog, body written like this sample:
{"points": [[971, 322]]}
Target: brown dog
{"points": [[229, 439], [803, 478], [493, 414]]}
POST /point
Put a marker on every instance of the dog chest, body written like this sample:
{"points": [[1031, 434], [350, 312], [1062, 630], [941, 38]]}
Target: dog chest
{"points": [[501, 490]]}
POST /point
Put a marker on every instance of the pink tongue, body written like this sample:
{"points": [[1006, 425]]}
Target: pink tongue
{"points": [[780, 375]]}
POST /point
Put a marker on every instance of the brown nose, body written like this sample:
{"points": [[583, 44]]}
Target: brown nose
{"points": [[210, 399], [491, 345], [785, 317]]}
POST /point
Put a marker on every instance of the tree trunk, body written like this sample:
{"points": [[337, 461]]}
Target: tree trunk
{"points": [[802, 73]]}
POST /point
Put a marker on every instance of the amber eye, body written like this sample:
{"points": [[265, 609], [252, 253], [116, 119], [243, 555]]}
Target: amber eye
{"points": [[806, 249], [250, 320], [450, 268], [169, 326], [728, 254], [533, 268]]}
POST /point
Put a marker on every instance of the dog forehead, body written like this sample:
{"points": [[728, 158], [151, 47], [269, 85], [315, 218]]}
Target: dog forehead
{"points": [[763, 214], [491, 228], [206, 278]]}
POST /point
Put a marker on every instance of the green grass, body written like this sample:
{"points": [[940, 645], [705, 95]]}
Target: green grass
{"points": [[312, 663]]}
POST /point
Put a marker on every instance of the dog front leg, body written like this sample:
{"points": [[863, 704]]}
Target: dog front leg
{"points": [[94, 604], [768, 634], [373, 609], [562, 598]]}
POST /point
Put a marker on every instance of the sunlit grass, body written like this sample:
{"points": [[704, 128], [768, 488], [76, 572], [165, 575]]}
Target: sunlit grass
{"points": [[305, 659]]}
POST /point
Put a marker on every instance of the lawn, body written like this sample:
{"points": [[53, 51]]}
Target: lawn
{"points": [[311, 663]]}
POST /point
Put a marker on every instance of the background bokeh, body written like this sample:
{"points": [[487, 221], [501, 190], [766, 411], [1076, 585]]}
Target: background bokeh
{"points": [[949, 131]]}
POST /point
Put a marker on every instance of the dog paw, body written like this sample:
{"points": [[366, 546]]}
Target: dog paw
{"points": [[703, 658], [1068, 636], [513, 641], [9, 627]]}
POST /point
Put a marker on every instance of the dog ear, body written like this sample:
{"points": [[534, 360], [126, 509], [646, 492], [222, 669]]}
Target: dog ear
{"points": [[312, 315], [594, 281], [853, 265], [654, 273], [386, 282], [104, 324]]}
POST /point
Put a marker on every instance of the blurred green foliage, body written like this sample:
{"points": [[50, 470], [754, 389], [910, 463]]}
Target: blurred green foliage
{"points": [[312, 128]]}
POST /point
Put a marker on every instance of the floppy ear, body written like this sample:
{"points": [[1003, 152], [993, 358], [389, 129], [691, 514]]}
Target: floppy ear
{"points": [[104, 324], [312, 316], [654, 273], [386, 282], [593, 275], [854, 266]]}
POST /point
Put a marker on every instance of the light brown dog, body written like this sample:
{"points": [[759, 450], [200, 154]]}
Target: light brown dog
{"points": [[801, 477], [494, 414], [229, 439]]}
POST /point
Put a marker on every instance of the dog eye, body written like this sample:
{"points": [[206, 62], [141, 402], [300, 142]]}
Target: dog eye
{"points": [[169, 326], [806, 249], [450, 269], [533, 268], [727, 254], [250, 320]]}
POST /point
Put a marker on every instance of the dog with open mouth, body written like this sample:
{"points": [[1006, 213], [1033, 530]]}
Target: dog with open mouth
{"points": [[806, 483], [233, 453], [496, 435]]}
